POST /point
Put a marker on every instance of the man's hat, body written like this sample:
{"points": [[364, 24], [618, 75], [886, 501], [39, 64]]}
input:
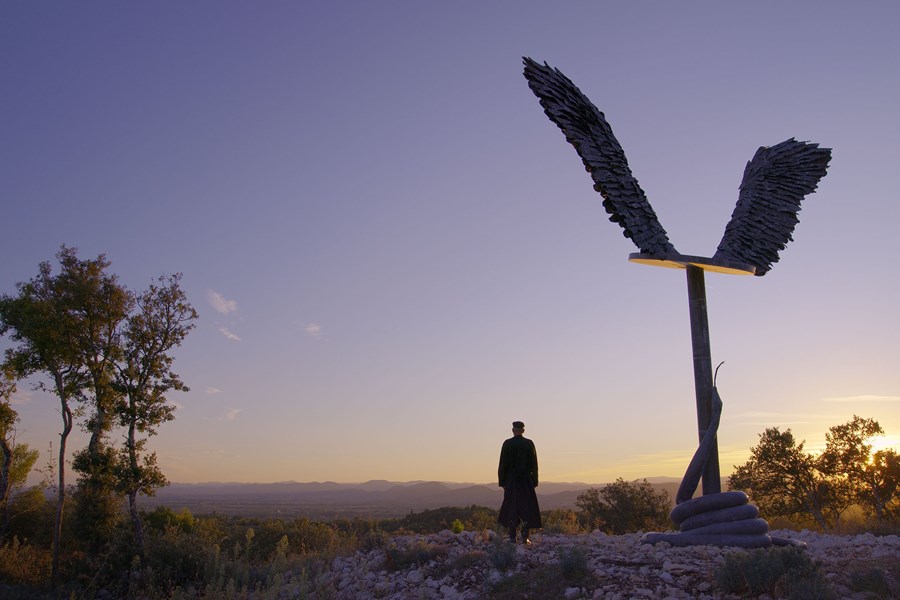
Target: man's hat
{"points": [[518, 425]]}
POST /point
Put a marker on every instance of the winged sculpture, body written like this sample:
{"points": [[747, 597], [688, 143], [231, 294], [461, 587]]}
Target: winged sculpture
{"points": [[775, 181]]}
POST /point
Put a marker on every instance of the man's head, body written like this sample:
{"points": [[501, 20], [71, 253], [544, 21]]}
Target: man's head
{"points": [[518, 428]]}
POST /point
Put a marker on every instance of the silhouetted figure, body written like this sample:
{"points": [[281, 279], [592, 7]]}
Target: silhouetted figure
{"points": [[518, 476]]}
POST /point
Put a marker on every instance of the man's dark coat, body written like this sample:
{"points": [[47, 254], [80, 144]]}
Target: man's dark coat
{"points": [[518, 476]]}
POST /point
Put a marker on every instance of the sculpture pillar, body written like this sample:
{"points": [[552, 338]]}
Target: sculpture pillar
{"points": [[703, 377]]}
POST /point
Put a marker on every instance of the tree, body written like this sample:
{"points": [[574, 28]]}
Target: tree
{"points": [[784, 480], [871, 478], [624, 506], [16, 460], [879, 492], [872, 481], [41, 319], [98, 306], [161, 322], [846, 446], [8, 418]]}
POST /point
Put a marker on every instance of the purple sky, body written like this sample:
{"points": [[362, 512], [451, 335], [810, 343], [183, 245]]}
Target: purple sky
{"points": [[395, 253]]}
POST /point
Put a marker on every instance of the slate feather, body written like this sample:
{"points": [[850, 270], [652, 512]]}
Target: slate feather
{"points": [[775, 181], [586, 128]]}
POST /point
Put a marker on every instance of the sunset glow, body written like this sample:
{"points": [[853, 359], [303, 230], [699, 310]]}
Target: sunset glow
{"points": [[395, 254]]}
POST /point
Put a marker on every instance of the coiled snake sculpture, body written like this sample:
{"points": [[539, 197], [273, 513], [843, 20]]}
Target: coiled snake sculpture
{"points": [[723, 519]]}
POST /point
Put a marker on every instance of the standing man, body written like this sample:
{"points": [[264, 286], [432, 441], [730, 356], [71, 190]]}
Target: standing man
{"points": [[518, 476]]}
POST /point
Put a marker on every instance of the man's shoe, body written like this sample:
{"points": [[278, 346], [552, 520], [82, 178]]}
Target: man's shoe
{"points": [[527, 542]]}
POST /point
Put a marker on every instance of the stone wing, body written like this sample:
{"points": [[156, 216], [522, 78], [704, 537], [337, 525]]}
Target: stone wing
{"points": [[775, 181], [586, 129]]}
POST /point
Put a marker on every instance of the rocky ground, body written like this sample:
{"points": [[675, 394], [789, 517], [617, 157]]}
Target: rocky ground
{"points": [[464, 566]]}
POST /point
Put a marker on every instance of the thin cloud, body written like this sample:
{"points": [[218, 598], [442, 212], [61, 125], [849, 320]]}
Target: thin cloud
{"points": [[313, 330], [212, 390], [224, 331], [220, 304], [232, 414], [21, 398], [863, 398]]}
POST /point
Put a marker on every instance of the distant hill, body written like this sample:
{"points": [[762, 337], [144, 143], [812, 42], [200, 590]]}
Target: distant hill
{"points": [[371, 499]]}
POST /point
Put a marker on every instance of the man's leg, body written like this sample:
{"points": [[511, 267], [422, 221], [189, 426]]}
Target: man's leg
{"points": [[525, 539]]}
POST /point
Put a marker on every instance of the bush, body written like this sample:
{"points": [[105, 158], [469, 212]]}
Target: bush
{"points": [[573, 562], [164, 517], [561, 520], [502, 553], [178, 559], [420, 553], [469, 560], [788, 572], [24, 564], [624, 507], [473, 518]]}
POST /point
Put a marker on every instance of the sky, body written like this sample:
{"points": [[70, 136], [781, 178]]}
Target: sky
{"points": [[395, 254]]}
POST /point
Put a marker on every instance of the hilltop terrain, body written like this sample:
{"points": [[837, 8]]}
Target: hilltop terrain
{"points": [[457, 567]]}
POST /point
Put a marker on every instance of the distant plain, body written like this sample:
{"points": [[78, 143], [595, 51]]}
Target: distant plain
{"points": [[377, 499]]}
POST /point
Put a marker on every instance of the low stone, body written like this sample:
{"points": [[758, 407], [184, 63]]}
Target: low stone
{"points": [[415, 576]]}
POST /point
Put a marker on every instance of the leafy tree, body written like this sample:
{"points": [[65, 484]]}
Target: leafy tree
{"points": [[161, 322], [16, 462], [846, 446], [99, 305], [41, 319], [8, 418], [784, 480], [624, 506], [872, 481], [879, 492]]}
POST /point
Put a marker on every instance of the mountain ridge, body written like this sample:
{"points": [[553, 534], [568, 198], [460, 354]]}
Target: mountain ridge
{"points": [[377, 498]]}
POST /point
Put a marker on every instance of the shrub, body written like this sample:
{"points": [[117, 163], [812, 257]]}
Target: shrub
{"points": [[871, 580], [788, 572], [164, 517], [472, 559], [373, 539], [561, 520], [624, 507], [420, 553], [457, 526], [502, 553], [177, 559], [473, 518], [573, 562], [24, 564]]}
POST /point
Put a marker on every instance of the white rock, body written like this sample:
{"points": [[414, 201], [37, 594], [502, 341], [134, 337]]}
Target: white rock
{"points": [[885, 551]]}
